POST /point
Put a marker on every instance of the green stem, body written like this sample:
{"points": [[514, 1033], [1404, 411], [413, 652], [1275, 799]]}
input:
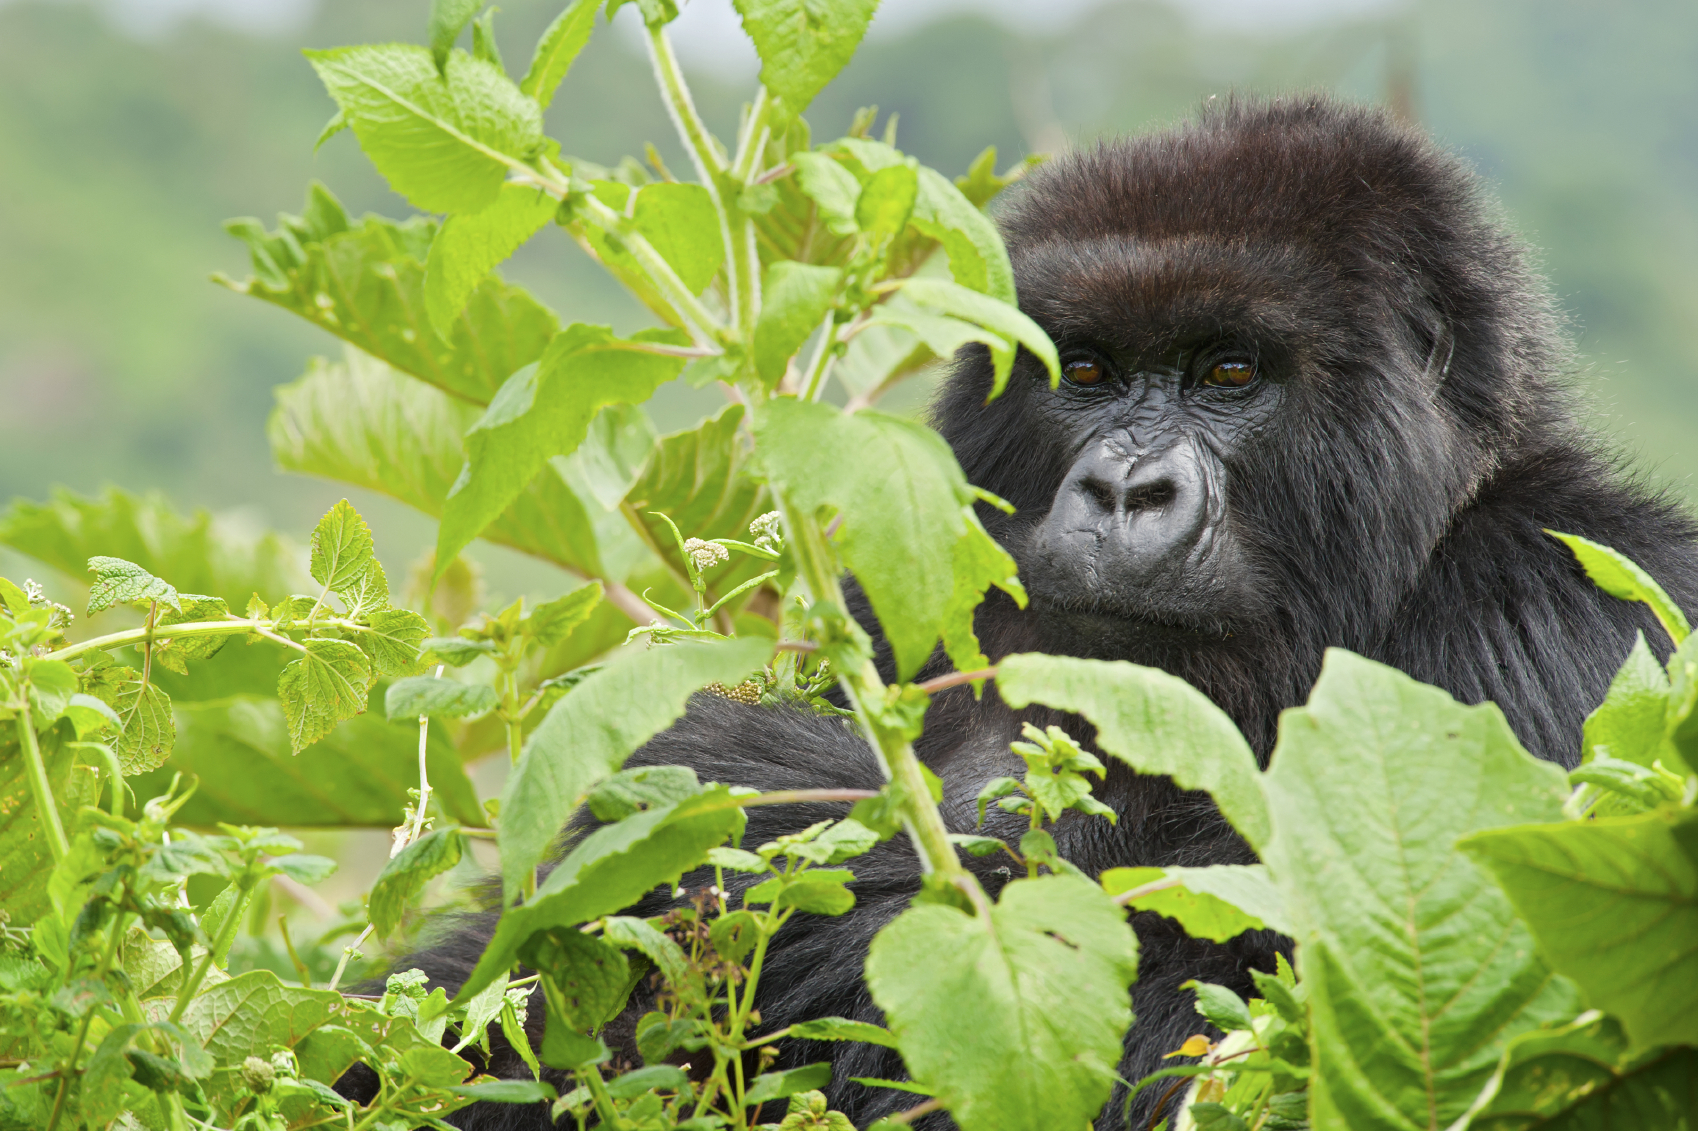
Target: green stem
{"points": [[699, 322], [703, 149], [70, 1070], [220, 945], [182, 631], [45, 805], [591, 1077], [813, 381]]}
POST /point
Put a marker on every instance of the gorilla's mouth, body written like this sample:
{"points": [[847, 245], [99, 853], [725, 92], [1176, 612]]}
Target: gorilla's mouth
{"points": [[1124, 617]]}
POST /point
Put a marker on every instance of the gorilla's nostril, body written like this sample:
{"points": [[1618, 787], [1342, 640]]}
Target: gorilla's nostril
{"points": [[1105, 494], [1149, 496]]}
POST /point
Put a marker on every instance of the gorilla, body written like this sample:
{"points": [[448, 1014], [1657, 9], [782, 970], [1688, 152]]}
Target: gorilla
{"points": [[1313, 395]]}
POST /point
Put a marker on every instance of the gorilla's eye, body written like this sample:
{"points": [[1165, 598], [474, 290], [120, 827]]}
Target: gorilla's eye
{"points": [[1230, 374], [1085, 371]]}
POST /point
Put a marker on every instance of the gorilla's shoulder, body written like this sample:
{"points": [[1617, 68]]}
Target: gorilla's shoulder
{"points": [[779, 747]]}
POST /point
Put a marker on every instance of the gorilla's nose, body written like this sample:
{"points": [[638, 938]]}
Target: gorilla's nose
{"points": [[1136, 514]]}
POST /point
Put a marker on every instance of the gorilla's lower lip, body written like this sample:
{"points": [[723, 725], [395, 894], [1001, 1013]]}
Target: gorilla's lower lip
{"points": [[1149, 620]]}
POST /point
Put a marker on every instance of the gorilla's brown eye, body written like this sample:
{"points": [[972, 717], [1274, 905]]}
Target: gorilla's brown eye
{"points": [[1085, 372], [1230, 374]]}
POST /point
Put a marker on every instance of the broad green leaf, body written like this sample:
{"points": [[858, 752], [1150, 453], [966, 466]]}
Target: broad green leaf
{"points": [[979, 564], [1047, 974], [1250, 901], [198, 553], [366, 285], [699, 479], [253, 1014], [678, 220], [1681, 722], [173, 653], [445, 141], [118, 582], [362, 423], [585, 980], [613, 455], [392, 639], [657, 946], [448, 18], [1613, 903], [341, 548], [902, 498], [887, 200], [26, 862], [1154, 722], [1620, 576], [993, 314], [407, 873], [544, 410], [588, 735], [794, 299], [470, 245], [883, 353], [1418, 969], [1566, 1085], [557, 48], [1629, 723], [323, 687], [631, 791], [507, 1091], [51, 685], [803, 43], [144, 711], [359, 775], [609, 870], [977, 257], [833, 189], [770, 1086], [1223, 1008], [843, 1029], [941, 335], [438, 698], [553, 621]]}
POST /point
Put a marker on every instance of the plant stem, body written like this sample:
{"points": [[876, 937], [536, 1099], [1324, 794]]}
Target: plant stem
{"points": [[813, 380], [955, 679], [803, 796], [220, 945], [181, 631], [118, 926], [698, 321], [347, 953], [46, 808], [424, 771]]}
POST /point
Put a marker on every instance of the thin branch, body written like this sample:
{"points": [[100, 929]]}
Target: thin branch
{"points": [[955, 679], [916, 1111], [664, 349], [776, 173], [1150, 888], [628, 603], [304, 896], [802, 796], [797, 646]]}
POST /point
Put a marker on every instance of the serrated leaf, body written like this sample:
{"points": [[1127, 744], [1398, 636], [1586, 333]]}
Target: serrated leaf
{"points": [[613, 455], [1224, 1009], [118, 582], [322, 688], [588, 735], [769, 1086], [678, 220], [406, 874], [794, 300], [362, 423], [979, 564], [469, 246], [803, 43], [391, 639], [457, 650], [903, 501], [366, 285], [1620, 576], [357, 776], [552, 622], [832, 188], [445, 141], [631, 791], [1629, 723], [998, 316], [26, 860], [174, 653], [557, 48], [1241, 891], [438, 698], [887, 200], [609, 870], [1154, 722], [843, 1029], [657, 946], [544, 410], [341, 548], [1613, 903], [1418, 969], [977, 258], [1048, 973], [698, 478], [585, 980], [149, 730], [507, 1091], [448, 18]]}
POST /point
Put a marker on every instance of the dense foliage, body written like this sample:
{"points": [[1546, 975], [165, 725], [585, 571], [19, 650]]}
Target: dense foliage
{"points": [[1480, 940]]}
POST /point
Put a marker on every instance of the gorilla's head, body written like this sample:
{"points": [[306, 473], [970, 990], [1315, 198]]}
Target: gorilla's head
{"points": [[1294, 345]]}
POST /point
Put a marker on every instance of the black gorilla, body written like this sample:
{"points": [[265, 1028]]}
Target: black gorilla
{"points": [[1314, 396]]}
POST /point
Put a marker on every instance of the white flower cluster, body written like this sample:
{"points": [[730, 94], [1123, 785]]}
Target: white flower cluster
{"points": [[62, 615], [767, 534], [705, 554]]}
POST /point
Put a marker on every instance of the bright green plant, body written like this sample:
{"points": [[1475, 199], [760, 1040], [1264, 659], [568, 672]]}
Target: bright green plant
{"points": [[1481, 942]]}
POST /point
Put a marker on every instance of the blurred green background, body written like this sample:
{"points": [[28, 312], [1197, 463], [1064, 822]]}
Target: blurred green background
{"points": [[129, 131]]}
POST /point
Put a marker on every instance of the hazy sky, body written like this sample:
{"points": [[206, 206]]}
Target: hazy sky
{"points": [[710, 28]]}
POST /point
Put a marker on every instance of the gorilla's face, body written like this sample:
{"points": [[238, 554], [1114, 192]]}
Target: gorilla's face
{"points": [[1139, 529]]}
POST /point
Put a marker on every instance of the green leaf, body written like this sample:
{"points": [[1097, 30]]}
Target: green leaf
{"points": [[977, 257], [469, 246], [445, 141], [979, 564], [147, 728], [679, 220], [776, 1085], [585, 980], [362, 423], [1618, 575], [323, 687], [832, 188], [357, 776], [1203, 913], [1570, 1080], [794, 299], [448, 18], [1613, 903], [657, 946], [91, 715], [557, 48], [630, 791], [118, 582], [803, 43], [1154, 722], [26, 861], [439, 698], [843, 1029], [544, 410], [699, 479], [887, 200], [1224, 1009], [609, 870], [484, 44], [1047, 974], [366, 285], [508, 1091], [588, 735], [904, 503], [1418, 969], [1629, 723], [993, 314], [818, 891], [392, 639], [174, 653], [613, 455], [341, 548], [253, 1014], [552, 622]]}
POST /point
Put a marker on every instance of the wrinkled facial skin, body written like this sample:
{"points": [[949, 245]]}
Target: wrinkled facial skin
{"points": [[1140, 528]]}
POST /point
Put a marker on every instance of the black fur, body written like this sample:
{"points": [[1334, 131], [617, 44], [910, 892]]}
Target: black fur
{"points": [[1391, 501]]}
